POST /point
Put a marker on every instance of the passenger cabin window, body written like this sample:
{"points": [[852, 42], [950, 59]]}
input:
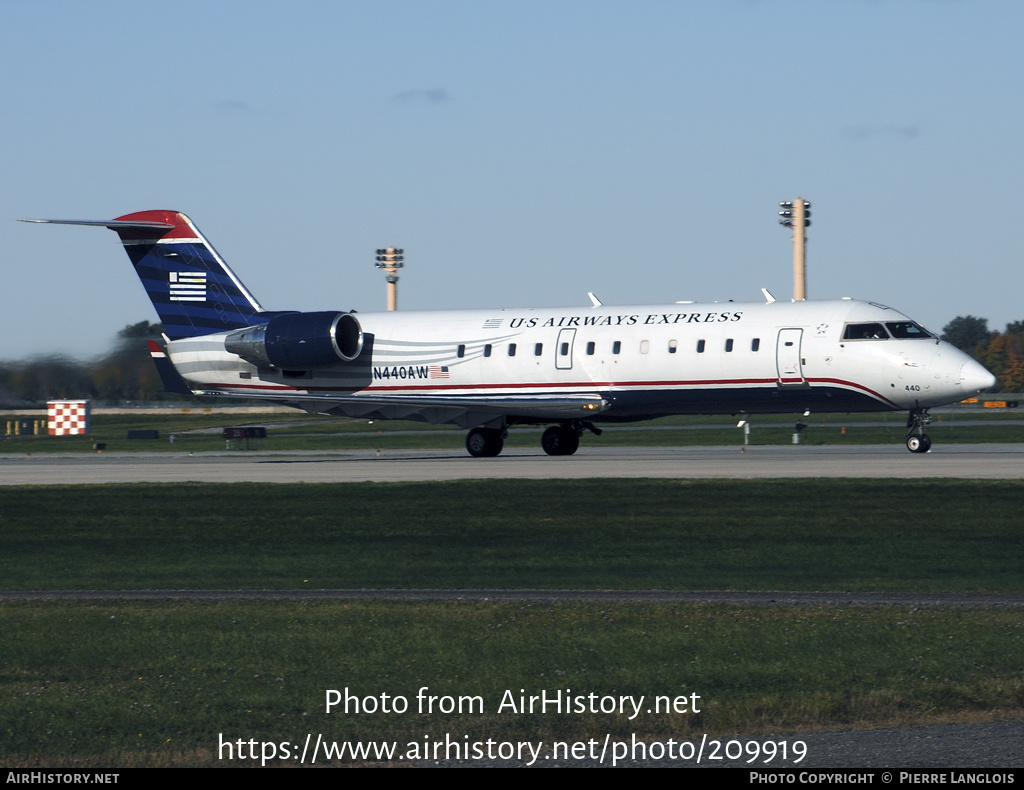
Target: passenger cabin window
{"points": [[461, 352], [907, 330], [755, 344], [728, 344], [645, 346], [511, 349], [487, 350], [564, 350], [591, 348], [700, 346], [871, 331], [538, 349], [672, 346], [616, 347]]}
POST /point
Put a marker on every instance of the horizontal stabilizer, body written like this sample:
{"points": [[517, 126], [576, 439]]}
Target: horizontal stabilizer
{"points": [[113, 224]]}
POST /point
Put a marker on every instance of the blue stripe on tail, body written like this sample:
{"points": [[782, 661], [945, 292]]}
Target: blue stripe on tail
{"points": [[193, 290]]}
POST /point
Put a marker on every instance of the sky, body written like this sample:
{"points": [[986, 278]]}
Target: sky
{"points": [[521, 153]]}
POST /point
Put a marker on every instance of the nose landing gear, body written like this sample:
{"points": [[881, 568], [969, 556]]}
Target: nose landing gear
{"points": [[917, 440]]}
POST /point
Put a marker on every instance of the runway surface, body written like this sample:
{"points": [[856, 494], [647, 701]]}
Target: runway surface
{"points": [[965, 461]]}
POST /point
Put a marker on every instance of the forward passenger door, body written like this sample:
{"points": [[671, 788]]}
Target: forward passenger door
{"points": [[787, 358]]}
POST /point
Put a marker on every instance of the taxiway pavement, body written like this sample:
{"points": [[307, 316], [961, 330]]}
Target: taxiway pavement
{"points": [[974, 461]]}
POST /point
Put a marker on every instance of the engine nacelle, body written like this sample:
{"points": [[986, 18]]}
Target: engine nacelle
{"points": [[296, 341]]}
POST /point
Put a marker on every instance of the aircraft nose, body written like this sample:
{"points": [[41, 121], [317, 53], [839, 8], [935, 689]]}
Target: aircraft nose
{"points": [[974, 378]]}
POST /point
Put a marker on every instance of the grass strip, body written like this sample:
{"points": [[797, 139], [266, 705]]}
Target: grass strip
{"points": [[130, 684], [924, 536]]}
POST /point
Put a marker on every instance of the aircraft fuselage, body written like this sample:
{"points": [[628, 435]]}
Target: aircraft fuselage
{"points": [[640, 361]]}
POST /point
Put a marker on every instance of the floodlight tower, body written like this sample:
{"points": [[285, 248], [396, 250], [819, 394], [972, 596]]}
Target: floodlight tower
{"points": [[390, 260], [797, 215]]}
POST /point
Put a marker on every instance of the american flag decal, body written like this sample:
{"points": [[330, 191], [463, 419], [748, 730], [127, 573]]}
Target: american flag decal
{"points": [[492, 323], [187, 286], [438, 371]]}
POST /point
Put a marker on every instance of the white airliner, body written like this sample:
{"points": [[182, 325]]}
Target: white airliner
{"points": [[571, 367]]}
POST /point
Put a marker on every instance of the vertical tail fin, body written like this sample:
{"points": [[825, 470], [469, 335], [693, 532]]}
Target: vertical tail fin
{"points": [[193, 290]]}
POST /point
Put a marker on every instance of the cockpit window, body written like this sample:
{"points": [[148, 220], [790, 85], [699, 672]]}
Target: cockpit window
{"points": [[907, 330], [871, 331]]}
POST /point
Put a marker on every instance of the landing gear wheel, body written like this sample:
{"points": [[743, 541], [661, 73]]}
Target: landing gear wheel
{"points": [[485, 442], [560, 440], [917, 440], [919, 443]]}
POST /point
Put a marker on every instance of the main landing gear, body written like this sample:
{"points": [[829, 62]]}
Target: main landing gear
{"points": [[917, 440], [485, 442], [560, 440], [563, 439]]}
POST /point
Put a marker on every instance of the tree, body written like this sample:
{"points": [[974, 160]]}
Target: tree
{"points": [[127, 372], [1003, 355], [49, 377], [1012, 378], [967, 333], [140, 331]]}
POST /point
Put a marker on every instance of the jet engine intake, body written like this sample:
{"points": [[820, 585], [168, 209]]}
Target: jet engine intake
{"points": [[296, 341]]}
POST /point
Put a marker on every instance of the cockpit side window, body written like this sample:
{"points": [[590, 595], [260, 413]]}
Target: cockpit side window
{"points": [[872, 331], [907, 330]]}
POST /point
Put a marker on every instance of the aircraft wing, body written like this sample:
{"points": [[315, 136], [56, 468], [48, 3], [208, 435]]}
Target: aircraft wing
{"points": [[458, 409]]}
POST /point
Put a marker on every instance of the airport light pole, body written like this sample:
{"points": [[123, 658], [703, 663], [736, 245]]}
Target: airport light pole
{"points": [[390, 260], [797, 215]]}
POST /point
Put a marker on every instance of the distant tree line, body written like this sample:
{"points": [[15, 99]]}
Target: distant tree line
{"points": [[125, 373], [1000, 352]]}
